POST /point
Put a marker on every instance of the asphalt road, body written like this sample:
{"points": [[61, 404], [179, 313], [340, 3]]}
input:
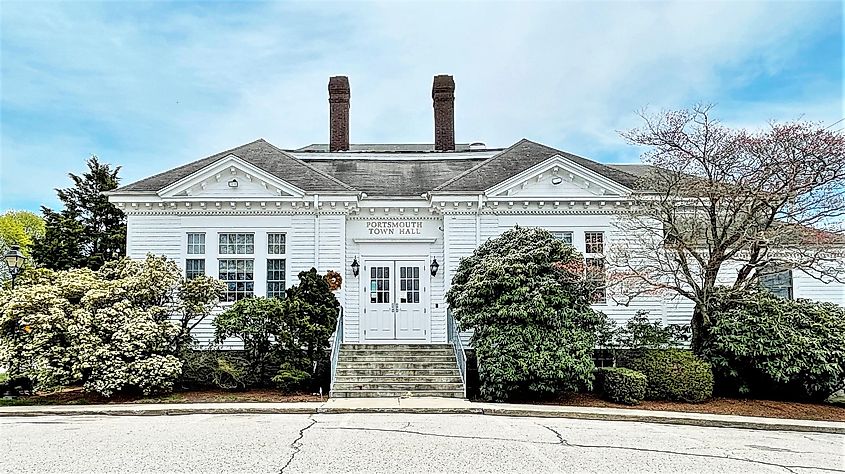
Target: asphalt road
{"points": [[400, 443]]}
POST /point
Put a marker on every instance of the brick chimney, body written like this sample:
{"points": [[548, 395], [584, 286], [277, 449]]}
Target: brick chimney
{"points": [[443, 94], [338, 113]]}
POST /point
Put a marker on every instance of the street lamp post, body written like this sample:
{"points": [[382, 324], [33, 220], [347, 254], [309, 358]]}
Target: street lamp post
{"points": [[14, 260]]}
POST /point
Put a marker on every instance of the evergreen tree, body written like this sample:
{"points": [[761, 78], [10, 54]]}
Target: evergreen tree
{"points": [[90, 230]]}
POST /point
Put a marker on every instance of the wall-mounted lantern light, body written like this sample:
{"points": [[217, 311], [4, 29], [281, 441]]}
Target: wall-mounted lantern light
{"points": [[233, 183], [355, 266], [434, 267]]}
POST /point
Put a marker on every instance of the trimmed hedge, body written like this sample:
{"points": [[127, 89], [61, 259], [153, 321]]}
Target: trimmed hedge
{"points": [[622, 385], [764, 346], [673, 374]]}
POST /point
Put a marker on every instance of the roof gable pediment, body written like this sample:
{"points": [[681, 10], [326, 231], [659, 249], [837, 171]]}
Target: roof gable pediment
{"points": [[231, 177], [557, 177]]}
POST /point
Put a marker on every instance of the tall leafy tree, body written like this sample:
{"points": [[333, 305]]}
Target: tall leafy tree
{"points": [[90, 230], [728, 205], [19, 228]]}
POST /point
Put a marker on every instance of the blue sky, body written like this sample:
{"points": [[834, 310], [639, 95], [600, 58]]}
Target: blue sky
{"points": [[150, 86]]}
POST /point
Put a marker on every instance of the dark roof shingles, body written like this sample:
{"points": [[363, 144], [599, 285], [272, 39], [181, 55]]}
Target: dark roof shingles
{"points": [[520, 157], [258, 153], [393, 177]]}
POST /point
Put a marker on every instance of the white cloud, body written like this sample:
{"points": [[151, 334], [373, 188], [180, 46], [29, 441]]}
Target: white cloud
{"points": [[156, 86]]}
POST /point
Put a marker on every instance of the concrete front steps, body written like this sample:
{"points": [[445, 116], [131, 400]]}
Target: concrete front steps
{"points": [[397, 370]]}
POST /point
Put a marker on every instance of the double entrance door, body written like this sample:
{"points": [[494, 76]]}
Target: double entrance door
{"points": [[396, 301]]}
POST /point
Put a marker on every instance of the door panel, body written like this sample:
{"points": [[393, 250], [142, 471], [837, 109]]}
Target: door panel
{"points": [[412, 298], [396, 300], [379, 318]]}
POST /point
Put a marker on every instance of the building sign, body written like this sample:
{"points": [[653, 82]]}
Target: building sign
{"points": [[394, 227]]}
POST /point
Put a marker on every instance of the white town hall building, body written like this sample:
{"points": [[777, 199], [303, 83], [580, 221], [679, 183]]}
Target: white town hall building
{"points": [[393, 219]]}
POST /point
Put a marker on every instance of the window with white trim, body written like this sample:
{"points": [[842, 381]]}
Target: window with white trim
{"points": [[238, 275], [595, 274], [196, 243], [276, 244], [276, 278], [594, 242], [194, 267], [564, 236], [236, 244], [777, 280], [594, 265]]}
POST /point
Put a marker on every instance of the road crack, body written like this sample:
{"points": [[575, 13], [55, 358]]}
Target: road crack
{"points": [[404, 430], [297, 443], [787, 467]]}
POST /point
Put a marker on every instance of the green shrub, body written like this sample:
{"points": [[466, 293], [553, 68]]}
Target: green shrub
{"points": [[622, 385], [673, 374], [290, 378], [232, 373], [526, 300], [283, 338], [766, 346], [109, 330], [253, 321]]}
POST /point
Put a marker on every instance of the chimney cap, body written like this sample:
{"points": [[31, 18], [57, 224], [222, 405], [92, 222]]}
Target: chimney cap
{"points": [[443, 83], [339, 84]]}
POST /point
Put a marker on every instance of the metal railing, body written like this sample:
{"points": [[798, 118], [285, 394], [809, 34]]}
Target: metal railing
{"points": [[336, 342], [454, 335]]}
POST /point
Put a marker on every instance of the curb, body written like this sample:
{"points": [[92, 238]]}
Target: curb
{"points": [[773, 424]]}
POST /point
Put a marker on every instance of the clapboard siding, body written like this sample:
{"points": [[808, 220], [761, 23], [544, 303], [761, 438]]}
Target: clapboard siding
{"points": [[805, 286], [438, 298], [301, 244], [159, 235], [351, 294]]}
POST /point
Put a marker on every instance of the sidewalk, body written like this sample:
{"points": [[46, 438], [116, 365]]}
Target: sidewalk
{"points": [[433, 406]]}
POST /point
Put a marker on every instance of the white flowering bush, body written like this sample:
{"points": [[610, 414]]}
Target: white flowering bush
{"points": [[119, 329]]}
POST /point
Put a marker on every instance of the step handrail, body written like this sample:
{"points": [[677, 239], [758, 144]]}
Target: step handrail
{"points": [[336, 342], [454, 336]]}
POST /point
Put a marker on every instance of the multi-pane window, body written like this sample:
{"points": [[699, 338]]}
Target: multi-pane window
{"points": [[276, 277], [196, 243], [778, 281], [409, 284], [595, 273], [379, 284], [236, 243], [276, 244], [194, 267], [237, 274], [564, 236], [594, 242]]}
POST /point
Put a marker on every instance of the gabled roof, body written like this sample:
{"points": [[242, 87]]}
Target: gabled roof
{"points": [[518, 158], [258, 153], [388, 170], [393, 177]]}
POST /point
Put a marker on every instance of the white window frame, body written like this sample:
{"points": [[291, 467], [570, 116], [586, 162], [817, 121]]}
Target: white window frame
{"points": [[587, 242], [235, 244], [588, 256], [195, 245], [559, 235], [187, 270]]}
